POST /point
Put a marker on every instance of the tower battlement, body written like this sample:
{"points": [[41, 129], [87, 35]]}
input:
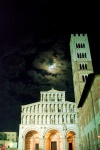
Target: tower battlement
{"points": [[79, 34], [78, 39]]}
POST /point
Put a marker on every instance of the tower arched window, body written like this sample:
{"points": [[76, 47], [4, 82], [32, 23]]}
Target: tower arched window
{"points": [[85, 55], [77, 45], [86, 77], [85, 66], [82, 55], [78, 55], [83, 78], [82, 45], [82, 66]]}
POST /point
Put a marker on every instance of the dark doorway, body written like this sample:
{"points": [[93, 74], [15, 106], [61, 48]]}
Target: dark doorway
{"points": [[54, 145], [36, 146], [70, 146]]}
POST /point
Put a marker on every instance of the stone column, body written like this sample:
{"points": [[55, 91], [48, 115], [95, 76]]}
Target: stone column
{"points": [[56, 108], [24, 119], [55, 97], [42, 143], [64, 110], [56, 119], [67, 108], [21, 143], [64, 142], [76, 120], [68, 118]]}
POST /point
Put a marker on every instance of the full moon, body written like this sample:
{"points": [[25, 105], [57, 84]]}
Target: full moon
{"points": [[52, 68]]}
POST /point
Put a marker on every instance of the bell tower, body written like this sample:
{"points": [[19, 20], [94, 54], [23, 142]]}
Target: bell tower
{"points": [[81, 62]]}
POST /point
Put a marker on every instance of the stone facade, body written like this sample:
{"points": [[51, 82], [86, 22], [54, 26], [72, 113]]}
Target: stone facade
{"points": [[49, 124], [89, 109]]}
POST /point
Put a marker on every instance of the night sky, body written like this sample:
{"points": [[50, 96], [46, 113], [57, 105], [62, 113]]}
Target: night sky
{"points": [[34, 50]]}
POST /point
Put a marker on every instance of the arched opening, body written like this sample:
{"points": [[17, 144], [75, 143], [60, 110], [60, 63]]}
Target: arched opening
{"points": [[53, 140], [71, 140], [32, 140]]}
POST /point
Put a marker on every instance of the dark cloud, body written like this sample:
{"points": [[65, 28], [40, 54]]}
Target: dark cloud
{"points": [[30, 67], [25, 71]]}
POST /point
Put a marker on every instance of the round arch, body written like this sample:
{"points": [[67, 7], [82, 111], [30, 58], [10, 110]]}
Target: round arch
{"points": [[71, 141], [50, 128], [53, 139], [30, 129], [31, 138], [73, 130]]}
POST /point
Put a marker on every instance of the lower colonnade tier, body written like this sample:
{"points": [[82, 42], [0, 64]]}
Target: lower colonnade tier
{"points": [[57, 137]]}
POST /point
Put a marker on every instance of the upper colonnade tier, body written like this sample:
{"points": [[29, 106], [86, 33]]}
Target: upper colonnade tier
{"points": [[46, 112], [52, 95]]}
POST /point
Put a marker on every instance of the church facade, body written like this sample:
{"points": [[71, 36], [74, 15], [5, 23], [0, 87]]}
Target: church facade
{"points": [[49, 124], [54, 123]]}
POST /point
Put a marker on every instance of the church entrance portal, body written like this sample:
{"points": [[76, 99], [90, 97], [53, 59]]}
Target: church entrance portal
{"points": [[54, 145], [70, 140], [32, 141], [53, 140], [70, 146]]}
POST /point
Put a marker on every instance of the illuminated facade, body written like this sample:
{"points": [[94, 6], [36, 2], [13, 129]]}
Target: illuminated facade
{"points": [[89, 109], [50, 124]]}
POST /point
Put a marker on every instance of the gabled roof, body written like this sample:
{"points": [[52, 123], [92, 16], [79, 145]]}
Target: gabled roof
{"points": [[53, 90]]}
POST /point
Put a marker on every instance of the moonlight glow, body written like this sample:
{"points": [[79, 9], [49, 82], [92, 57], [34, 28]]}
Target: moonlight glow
{"points": [[52, 67]]}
